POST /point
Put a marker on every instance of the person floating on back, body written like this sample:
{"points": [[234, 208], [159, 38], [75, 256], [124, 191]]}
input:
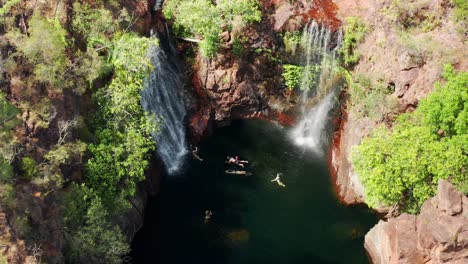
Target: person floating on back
{"points": [[278, 180], [195, 154], [208, 215], [236, 161]]}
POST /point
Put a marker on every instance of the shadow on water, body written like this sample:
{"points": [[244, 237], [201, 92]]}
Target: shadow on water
{"points": [[255, 220]]}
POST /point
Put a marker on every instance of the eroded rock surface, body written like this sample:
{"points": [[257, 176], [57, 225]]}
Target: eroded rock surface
{"points": [[409, 65], [439, 234]]}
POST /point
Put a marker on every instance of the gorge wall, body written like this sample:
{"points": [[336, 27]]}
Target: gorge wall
{"points": [[407, 65], [439, 234], [251, 86]]}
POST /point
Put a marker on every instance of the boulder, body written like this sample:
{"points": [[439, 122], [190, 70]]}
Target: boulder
{"points": [[439, 234]]}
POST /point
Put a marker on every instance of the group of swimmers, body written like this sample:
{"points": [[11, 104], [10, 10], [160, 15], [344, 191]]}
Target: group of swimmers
{"points": [[241, 164]]}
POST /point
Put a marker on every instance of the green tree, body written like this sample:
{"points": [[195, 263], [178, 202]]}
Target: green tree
{"points": [[292, 75], [402, 167], [45, 48], [120, 155], [354, 32], [95, 240], [204, 19]]}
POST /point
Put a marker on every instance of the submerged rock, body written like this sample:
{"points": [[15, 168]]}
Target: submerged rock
{"points": [[439, 234]]}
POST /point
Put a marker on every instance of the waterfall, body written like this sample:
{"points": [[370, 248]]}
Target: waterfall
{"points": [[162, 99], [158, 5], [319, 46]]}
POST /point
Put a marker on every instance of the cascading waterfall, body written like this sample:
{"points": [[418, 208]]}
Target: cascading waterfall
{"points": [[319, 46], [162, 99]]}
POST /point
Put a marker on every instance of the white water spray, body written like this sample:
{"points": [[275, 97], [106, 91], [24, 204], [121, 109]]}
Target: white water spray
{"points": [[319, 46], [163, 99]]}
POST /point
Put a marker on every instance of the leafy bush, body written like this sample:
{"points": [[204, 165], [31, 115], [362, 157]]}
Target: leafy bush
{"points": [[7, 195], [354, 32], [8, 120], [66, 153], [237, 47], [45, 48], [203, 18], [7, 5], [92, 239], [369, 99], [291, 41], [94, 24], [6, 171], [461, 10], [402, 167], [120, 155], [292, 75], [414, 13], [446, 110], [28, 167]]}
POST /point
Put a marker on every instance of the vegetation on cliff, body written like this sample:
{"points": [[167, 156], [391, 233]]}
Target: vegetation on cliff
{"points": [[206, 20], [402, 167], [72, 75]]}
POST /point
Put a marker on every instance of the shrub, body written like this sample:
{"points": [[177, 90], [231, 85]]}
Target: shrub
{"points": [[292, 75], [414, 13], [204, 19], [402, 167], [120, 154], [28, 167], [291, 40], [92, 239], [6, 171], [7, 5], [369, 99], [44, 48], [354, 32], [7, 195], [237, 47], [461, 10]]}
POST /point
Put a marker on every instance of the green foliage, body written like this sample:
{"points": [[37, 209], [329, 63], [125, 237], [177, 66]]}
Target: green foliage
{"points": [[292, 75], [354, 32], [6, 171], [94, 24], [121, 152], [7, 195], [44, 48], [461, 10], [66, 153], [92, 239], [446, 110], [291, 41], [28, 167], [402, 167], [203, 18], [8, 113], [408, 14], [237, 47], [7, 5], [368, 98]]}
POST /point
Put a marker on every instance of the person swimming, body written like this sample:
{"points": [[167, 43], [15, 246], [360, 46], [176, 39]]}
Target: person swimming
{"points": [[278, 180], [195, 154], [236, 161], [208, 215]]}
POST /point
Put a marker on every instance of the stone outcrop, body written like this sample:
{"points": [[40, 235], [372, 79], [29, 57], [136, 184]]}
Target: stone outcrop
{"points": [[251, 86], [439, 234], [409, 66]]}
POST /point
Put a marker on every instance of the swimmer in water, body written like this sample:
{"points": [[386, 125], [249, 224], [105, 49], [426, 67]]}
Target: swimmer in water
{"points": [[278, 180], [195, 154]]}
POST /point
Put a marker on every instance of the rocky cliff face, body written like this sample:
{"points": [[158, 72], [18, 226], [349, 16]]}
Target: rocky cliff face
{"points": [[408, 65], [439, 234], [251, 86]]}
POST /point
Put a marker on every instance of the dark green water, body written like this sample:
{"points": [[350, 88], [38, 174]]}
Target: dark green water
{"points": [[255, 220]]}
